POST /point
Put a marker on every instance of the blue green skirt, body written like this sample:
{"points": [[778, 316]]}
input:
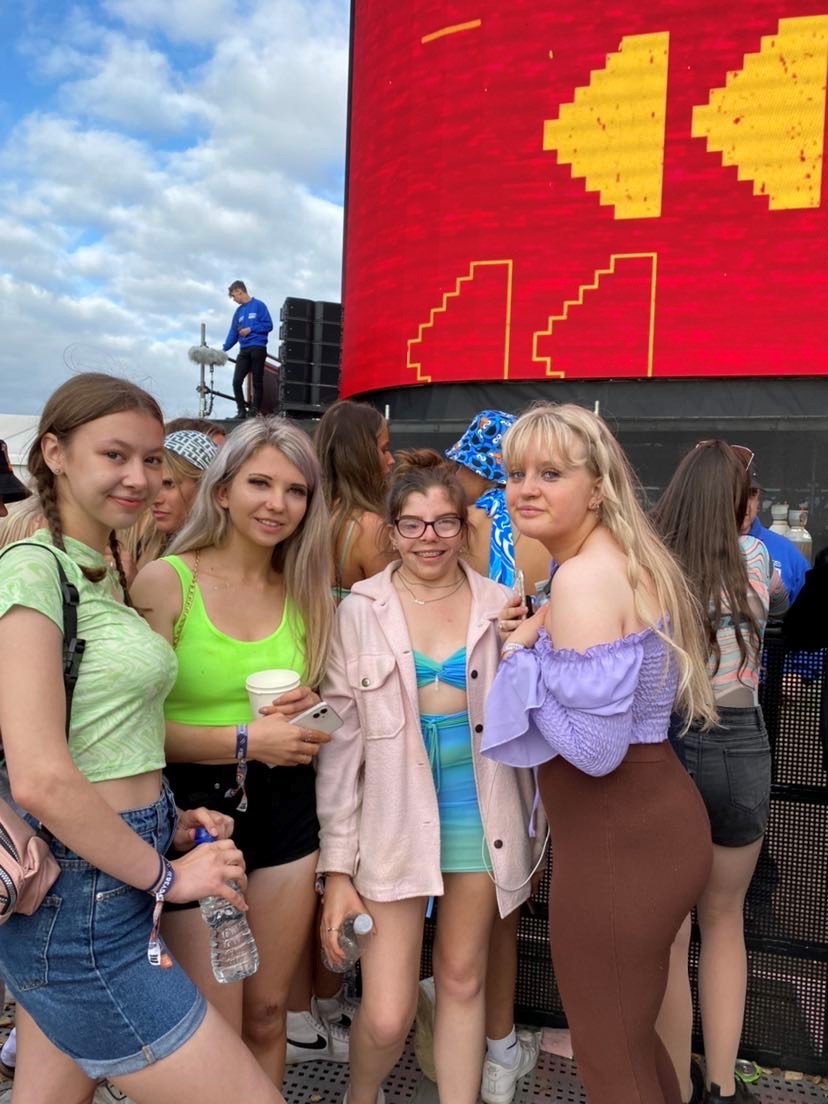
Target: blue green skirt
{"points": [[448, 742]]}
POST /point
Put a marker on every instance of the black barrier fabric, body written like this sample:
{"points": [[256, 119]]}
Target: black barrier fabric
{"points": [[786, 912]]}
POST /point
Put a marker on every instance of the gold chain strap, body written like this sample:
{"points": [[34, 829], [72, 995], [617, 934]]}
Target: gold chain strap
{"points": [[188, 602]]}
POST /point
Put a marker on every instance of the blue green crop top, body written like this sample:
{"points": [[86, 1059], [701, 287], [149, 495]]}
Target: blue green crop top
{"points": [[451, 671]]}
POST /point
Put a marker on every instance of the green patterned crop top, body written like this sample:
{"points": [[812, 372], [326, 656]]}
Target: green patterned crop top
{"points": [[117, 723]]}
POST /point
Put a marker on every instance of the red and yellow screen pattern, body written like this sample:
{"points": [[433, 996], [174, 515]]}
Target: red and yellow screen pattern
{"points": [[585, 190]]}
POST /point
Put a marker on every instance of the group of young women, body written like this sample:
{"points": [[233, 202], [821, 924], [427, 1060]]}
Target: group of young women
{"points": [[458, 712]]}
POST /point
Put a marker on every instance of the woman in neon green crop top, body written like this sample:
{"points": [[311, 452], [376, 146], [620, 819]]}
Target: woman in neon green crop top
{"points": [[99, 1002], [242, 591]]}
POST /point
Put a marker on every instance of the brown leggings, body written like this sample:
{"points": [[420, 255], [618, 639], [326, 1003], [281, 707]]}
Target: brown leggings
{"points": [[631, 854]]}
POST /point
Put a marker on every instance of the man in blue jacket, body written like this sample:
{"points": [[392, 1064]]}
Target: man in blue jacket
{"points": [[250, 326]]}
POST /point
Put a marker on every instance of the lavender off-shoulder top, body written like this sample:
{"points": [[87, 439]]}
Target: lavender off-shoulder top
{"points": [[586, 706]]}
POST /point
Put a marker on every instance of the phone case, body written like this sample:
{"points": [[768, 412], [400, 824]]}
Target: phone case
{"points": [[320, 717]]}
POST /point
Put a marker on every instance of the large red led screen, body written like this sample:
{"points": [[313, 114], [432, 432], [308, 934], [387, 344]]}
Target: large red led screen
{"points": [[583, 190]]}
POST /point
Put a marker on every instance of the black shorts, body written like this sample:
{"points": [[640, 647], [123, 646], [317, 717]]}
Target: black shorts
{"points": [[280, 824], [731, 765]]}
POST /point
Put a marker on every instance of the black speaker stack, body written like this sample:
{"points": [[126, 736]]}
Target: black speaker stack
{"points": [[310, 352]]}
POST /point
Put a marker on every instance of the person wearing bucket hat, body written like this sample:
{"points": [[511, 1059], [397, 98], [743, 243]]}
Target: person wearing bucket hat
{"points": [[187, 455], [495, 550], [11, 489]]}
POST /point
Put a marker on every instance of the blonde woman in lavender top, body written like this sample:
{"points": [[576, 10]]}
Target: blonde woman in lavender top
{"points": [[584, 693]]}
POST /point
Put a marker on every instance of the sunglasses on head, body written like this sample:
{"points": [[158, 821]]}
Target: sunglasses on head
{"points": [[743, 453]]}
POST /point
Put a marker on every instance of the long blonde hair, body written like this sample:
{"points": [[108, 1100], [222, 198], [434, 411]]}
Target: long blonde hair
{"points": [[23, 519], [581, 439], [305, 558]]}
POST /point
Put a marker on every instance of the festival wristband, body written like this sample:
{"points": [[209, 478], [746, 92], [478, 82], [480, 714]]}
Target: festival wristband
{"points": [[241, 769], [155, 950], [162, 874]]}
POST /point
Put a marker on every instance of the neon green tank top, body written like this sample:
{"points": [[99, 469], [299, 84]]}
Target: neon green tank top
{"points": [[212, 667]]}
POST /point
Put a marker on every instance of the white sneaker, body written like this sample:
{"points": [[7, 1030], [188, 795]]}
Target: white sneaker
{"points": [[380, 1096], [424, 1028], [337, 1011], [108, 1094], [310, 1039], [499, 1082]]}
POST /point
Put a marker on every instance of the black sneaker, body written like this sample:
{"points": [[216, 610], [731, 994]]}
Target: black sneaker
{"points": [[697, 1080], [742, 1095]]}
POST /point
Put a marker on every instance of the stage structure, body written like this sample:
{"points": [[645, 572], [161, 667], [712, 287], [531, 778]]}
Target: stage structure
{"points": [[623, 206]]}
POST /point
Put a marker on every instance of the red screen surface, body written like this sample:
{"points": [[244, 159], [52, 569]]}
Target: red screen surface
{"points": [[585, 191]]}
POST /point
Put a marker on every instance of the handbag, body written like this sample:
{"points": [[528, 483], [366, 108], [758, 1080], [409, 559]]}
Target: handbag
{"points": [[28, 869]]}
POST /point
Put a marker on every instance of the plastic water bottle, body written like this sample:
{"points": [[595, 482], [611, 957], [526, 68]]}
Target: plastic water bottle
{"points": [[233, 951], [352, 933]]}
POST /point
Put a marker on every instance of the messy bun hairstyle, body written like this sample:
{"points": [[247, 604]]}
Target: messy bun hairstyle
{"points": [[416, 472]]}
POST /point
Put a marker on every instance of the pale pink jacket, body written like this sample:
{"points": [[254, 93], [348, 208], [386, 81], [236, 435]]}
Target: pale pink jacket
{"points": [[375, 794]]}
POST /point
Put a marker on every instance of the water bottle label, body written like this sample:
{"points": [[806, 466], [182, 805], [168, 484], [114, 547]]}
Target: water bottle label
{"points": [[157, 956]]}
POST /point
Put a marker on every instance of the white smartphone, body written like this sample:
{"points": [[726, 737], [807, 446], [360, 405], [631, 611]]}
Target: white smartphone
{"points": [[519, 586], [320, 717]]}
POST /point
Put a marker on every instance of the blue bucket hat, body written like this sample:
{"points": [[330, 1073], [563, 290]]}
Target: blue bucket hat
{"points": [[479, 449]]}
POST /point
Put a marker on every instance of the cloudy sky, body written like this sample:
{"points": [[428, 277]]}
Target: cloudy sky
{"points": [[151, 151]]}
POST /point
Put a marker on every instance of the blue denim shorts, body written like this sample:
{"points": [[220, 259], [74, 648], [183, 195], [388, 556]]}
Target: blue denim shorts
{"points": [[79, 965], [731, 765]]}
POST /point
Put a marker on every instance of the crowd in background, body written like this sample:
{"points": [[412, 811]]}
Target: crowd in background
{"points": [[519, 655]]}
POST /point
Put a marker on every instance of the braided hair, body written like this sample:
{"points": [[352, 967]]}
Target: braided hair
{"points": [[82, 399]]}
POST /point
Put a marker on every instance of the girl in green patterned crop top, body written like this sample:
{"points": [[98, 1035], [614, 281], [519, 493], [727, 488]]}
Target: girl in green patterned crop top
{"points": [[244, 590], [94, 1000]]}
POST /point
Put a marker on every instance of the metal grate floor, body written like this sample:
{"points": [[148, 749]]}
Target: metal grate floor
{"points": [[554, 1081]]}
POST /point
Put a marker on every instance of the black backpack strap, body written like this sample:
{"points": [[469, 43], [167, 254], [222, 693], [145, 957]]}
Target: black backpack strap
{"points": [[73, 646]]}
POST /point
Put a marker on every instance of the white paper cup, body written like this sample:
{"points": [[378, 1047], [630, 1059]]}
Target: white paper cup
{"points": [[263, 686]]}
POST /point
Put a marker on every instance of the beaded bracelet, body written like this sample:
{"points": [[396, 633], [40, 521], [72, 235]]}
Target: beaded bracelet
{"points": [[509, 647]]}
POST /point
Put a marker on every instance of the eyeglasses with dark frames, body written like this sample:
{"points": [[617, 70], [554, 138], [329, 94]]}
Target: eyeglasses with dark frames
{"points": [[449, 525]]}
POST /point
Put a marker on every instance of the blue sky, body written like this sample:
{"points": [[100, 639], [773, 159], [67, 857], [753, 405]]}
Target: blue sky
{"points": [[151, 151]]}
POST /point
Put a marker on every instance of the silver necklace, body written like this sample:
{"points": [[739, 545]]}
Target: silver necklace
{"points": [[427, 601], [425, 586]]}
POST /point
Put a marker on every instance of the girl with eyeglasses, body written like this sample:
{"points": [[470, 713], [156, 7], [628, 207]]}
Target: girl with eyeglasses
{"points": [[408, 808]]}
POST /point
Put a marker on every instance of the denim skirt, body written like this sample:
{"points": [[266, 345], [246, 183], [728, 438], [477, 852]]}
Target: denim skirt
{"points": [[731, 765], [79, 965]]}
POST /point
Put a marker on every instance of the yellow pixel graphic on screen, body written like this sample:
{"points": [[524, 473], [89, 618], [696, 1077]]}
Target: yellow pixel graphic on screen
{"points": [[612, 133], [769, 118]]}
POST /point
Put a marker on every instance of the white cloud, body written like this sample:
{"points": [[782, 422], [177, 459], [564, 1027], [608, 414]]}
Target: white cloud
{"points": [[179, 20], [135, 86], [118, 242]]}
